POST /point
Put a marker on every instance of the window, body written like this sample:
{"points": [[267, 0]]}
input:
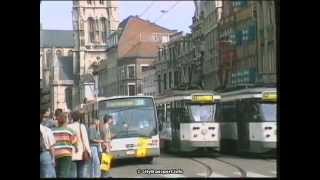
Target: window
{"points": [[132, 89], [131, 71], [270, 15], [144, 68], [89, 2], [101, 1], [159, 83], [165, 81], [91, 29], [103, 29], [170, 76]]}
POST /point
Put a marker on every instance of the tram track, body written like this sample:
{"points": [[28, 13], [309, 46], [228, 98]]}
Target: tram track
{"points": [[210, 171]]}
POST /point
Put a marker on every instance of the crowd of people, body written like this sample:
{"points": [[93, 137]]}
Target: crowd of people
{"points": [[70, 149]]}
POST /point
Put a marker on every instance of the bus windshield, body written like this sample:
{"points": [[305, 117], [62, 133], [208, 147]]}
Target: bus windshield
{"points": [[133, 117], [202, 113], [269, 111]]}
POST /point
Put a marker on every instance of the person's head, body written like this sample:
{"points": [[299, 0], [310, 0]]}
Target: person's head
{"points": [[107, 119], [75, 116], [61, 118], [57, 112]]}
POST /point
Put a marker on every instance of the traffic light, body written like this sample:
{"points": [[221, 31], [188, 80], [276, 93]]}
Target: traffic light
{"points": [[44, 99]]}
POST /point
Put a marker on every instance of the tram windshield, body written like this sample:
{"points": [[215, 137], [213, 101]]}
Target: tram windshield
{"points": [[269, 111], [133, 117], [201, 113]]}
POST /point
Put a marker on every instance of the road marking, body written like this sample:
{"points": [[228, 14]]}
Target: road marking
{"points": [[173, 175], [252, 174]]}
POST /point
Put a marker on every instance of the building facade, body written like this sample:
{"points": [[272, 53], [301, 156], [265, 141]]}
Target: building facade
{"points": [[56, 54], [93, 22], [149, 81], [133, 48]]}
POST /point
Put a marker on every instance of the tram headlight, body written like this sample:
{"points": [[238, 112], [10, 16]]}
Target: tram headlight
{"points": [[212, 128], [213, 135], [268, 135], [266, 128]]}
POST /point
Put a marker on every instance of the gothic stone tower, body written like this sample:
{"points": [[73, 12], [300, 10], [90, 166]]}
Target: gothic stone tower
{"points": [[93, 21]]}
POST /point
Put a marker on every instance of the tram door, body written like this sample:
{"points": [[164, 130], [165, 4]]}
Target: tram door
{"points": [[175, 127], [243, 114]]}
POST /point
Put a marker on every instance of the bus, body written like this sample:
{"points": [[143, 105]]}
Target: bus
{"points": [[188, 120], [135, 128], [249, 120]]}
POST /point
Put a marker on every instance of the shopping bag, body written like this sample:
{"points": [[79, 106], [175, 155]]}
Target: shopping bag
{"points": [[106, 162]]}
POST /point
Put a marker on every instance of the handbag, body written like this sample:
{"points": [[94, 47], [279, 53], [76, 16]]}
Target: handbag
{"points": [[85, 154]]}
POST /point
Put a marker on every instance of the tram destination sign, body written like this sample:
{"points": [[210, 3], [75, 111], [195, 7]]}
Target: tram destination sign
{"points": [[202, 98], [130, 102]]}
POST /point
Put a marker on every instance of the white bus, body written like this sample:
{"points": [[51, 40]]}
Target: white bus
{"points": [[188, 120], [135, 127], [249, 121]]}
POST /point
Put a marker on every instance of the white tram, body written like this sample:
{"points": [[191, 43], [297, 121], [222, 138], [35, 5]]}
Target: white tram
{"points": [[188, 120], [249, 121]]}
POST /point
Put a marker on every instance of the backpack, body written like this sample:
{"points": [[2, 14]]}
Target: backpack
{"points": [[42, 144]]}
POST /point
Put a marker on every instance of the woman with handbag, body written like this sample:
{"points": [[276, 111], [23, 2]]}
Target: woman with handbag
{"points": [[82, 158]]}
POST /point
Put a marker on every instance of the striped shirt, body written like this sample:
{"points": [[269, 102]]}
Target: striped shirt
{"points": [[66, 140]]}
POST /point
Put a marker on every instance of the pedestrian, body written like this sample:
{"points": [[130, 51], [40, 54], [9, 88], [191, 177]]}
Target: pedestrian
{"points": [[80, 165], [47, 160], [95, 145], [107, 136], [66, 141]]}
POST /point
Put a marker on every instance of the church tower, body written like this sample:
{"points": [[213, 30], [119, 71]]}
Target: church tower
{"points": [[93, 21]]}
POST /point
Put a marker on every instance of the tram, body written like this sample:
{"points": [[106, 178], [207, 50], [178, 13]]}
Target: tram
{"points": [[188, 120], [249, 121], [135, 128]]}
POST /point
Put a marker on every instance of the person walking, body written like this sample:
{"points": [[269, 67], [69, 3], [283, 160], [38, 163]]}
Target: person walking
{"points": [[95, 145], [47, 161], [66, 141], [80, 159], [107, 136]]}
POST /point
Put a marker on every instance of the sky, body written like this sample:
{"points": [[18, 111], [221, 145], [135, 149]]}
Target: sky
{"points": [[58, 14]]}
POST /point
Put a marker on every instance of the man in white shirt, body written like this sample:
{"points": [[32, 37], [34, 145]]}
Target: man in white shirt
{"points": [[47, 161]]}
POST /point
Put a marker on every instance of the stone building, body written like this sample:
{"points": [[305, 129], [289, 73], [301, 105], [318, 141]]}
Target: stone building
{"points": [[57, 65], [93, 22]]}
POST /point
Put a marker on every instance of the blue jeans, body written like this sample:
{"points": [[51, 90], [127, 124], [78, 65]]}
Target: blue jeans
{"points": [[80, 169], [95, 163], [47, 169]]}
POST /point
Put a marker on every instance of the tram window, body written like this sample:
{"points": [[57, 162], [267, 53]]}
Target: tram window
{"points": [[269, 112]]}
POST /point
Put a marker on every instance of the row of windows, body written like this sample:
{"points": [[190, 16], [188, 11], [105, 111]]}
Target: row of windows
{"points": [[98, 30], [93, 1]]}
